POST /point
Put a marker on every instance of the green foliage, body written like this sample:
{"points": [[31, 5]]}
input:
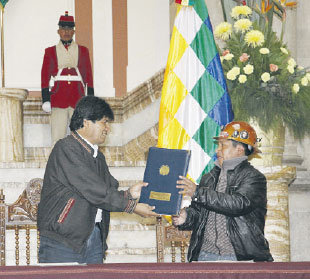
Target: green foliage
{"points": [[282, 99]]}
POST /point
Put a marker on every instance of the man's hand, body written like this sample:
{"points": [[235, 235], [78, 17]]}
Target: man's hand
{"points": [[187, 185], [135, 190], [179, 220], [145, 210]]}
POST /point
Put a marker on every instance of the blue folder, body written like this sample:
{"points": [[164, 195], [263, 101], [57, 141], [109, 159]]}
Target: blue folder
{"points": [[163, 168]]}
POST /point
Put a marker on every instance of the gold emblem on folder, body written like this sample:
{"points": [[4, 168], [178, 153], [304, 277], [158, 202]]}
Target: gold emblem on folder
{"points": [[164, 170], [160, 196]]}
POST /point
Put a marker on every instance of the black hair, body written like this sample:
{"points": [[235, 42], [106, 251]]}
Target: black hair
{"points": [[248, 149], [90, 108]]}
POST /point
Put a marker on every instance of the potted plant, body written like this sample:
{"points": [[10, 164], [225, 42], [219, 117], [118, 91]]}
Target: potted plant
{"points": [[265, 83]]}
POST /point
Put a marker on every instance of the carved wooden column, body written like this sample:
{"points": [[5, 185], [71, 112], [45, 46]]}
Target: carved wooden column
{"points": [[11, 123], [160, 239], [2, 228]]}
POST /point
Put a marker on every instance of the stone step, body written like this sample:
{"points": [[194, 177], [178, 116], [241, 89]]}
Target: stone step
{"points": [[131, 238], [14, 177], [303, 174], [302, 181], [41, 154], [35, 154]]}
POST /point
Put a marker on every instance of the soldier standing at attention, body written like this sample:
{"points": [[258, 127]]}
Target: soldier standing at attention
{"points": [[66, 76]]}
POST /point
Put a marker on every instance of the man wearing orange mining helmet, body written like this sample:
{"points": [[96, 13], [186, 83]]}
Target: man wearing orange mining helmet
{"points": [[66, 77], [227, 213]]}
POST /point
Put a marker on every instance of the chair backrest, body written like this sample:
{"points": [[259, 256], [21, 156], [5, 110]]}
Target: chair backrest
{"points": [[20, 217], [168, 234]]}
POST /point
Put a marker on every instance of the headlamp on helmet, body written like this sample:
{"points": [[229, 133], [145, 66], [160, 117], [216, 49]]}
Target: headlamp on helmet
{"points": [[240, 132]]}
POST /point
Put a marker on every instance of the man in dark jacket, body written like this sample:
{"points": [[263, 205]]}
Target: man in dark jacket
{"points": [[79, 192], [227, 213]]}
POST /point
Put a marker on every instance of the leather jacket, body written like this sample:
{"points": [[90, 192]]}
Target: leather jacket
{"points": [[244, 205]]}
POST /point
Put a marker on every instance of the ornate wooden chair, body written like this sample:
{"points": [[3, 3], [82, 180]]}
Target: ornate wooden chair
{"points": [[168, 235], [20, 217]]}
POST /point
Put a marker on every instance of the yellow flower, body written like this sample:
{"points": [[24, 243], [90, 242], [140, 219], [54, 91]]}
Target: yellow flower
{"points": [[265, 77], [308, 76], [296, 88], [223, 30], [284, 50], [231, 76], [228, 56], [242, 25], [254, 38], [242, 79], [290, 68], [248, 69], [235, 70], [304, 81], [264, 51], [240, 10], [300, 68], [292, 62]]}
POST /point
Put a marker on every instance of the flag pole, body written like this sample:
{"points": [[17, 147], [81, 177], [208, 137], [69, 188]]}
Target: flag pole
{"points": [[2, 48]]}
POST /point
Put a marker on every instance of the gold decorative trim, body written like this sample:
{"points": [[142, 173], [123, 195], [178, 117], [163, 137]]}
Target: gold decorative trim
{"points": [[160, 196]]}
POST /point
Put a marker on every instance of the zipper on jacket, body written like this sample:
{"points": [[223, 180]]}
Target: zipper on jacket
{"points": [[200, 226], [216, 234]]}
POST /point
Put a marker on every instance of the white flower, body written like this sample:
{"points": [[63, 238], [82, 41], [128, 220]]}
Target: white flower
{"points": [[291, 62], [254, 38], [290, 68], [296, 88], [235, 70], [240, 10], [242, 79], [228, 56], [265, 77], [231, 76], [308, 76], [248, 69], [284, 50], [304, 81], [223, 31], [264, 51], [243, 25]]}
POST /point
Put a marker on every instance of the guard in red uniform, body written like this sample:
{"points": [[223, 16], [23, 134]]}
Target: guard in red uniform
{"points": [[66, 76]]}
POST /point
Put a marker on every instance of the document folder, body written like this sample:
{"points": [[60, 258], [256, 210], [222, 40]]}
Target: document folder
{"points": [[162, 171]]}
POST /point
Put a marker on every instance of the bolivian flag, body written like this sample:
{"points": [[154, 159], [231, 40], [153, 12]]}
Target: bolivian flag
{"points": [[195, 102], [3, 3]]}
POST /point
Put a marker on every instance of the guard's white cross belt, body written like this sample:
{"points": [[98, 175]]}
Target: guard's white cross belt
{"points": [[67, 78]]}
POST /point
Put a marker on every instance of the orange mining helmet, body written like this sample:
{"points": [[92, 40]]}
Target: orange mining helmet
{"points": [[240, 132]]}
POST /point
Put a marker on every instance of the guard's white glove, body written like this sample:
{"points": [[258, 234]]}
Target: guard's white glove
{"points": [[46, 106]]}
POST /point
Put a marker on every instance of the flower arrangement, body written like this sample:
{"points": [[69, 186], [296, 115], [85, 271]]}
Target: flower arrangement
{"points": [[264, 81]]}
